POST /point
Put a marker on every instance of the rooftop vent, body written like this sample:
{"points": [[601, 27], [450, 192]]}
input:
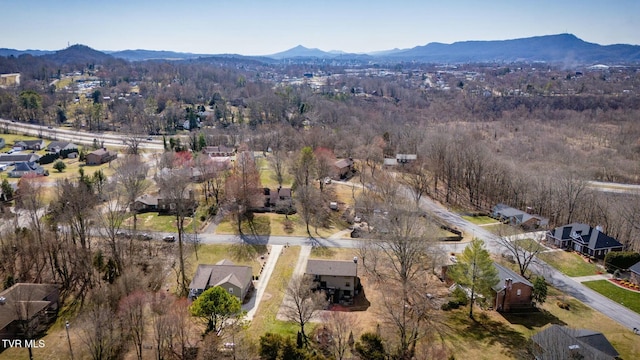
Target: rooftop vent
{"points": [[3, 300]]}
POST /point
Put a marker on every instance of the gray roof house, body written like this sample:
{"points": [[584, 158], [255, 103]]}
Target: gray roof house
{"points": [[338, 278], [584, 239], [561, 342], [57, 146], [22, 168], [2, 143], [236, 279], [15, 158], [24, 303], [29, 144], [518, 217]]}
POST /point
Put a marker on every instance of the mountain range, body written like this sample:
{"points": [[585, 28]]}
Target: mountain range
{"points": [[561, 48]]}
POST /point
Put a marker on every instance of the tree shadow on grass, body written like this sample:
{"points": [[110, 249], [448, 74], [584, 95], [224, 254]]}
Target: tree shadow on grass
{"points": [[534, 319], [484, 330]]}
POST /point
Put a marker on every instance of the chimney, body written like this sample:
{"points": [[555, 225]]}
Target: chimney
{"points": [[3, 300], [355, 259], [508, 282]]}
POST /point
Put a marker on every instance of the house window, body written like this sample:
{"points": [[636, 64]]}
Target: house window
{"points": [[172, 206], [347, 284], [518, 292], [231, 291]]}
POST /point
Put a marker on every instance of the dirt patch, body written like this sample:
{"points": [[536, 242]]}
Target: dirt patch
{"points": [[266, 296]]}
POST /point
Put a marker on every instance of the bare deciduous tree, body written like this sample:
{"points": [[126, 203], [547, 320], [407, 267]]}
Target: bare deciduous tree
{"points": [[301, 303]]}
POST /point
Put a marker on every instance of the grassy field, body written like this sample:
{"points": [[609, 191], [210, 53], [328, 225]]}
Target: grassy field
{"points": [[569, 263], [622, 296], [265, 319]]}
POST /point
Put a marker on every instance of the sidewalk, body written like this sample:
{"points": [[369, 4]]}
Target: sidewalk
{"points": [[592, 277]]}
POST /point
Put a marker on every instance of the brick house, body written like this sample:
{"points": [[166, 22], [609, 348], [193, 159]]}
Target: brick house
{"points": [[512, 292]]}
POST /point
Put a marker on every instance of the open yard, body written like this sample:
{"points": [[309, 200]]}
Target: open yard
{"points": [[480, 220], [569, 263], [265, 318], [497, 336], [622, 296]]}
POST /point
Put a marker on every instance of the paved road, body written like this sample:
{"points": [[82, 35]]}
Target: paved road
{"points": [[610, 308], [78, 137]]}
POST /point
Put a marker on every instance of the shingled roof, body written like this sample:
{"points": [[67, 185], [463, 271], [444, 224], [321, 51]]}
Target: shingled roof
{"points": [[331, 267]]}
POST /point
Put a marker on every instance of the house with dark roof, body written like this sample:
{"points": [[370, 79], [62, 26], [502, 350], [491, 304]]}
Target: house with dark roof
{"points": [[561, 342], [583, 239], [338, 278], [29, 144], [27, 309], [100, 156], [513, 292], [518, 217], [235, 279], [634, 273], [16, 158], [57, 146], [145, 203], [23, 168]]}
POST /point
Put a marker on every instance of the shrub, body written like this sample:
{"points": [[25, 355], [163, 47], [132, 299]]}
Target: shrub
{"points": [[620, 260], [563, 305], [445, 307], [460, 296]]}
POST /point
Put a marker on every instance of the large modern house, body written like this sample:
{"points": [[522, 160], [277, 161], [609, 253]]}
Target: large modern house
{"points": [[583, 239]]}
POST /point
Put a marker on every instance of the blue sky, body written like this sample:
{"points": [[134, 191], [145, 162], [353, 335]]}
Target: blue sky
{"points": [[261, 27]]}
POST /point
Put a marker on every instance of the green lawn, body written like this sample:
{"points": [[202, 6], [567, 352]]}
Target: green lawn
{"points": [[569, 263], [529, 244], [622, 296], [480, 220], [265, 319]]}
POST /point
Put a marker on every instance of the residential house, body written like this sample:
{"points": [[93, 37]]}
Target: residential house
{"points": [[235, 279], [100, 156], [145, 203], [338, 278], [29, 144], [513, 292], [9, 80], [517, 217], [168, 206], [26, 309], [343, 168], [219, 151], [400, 159], [16, 158], [634, 271], [22, 168], [583, 239], [561, 342], [2, 143], [57, 146]]}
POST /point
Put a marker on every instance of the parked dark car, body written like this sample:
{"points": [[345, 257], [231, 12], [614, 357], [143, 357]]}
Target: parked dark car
{"points": [[169, 238]]}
